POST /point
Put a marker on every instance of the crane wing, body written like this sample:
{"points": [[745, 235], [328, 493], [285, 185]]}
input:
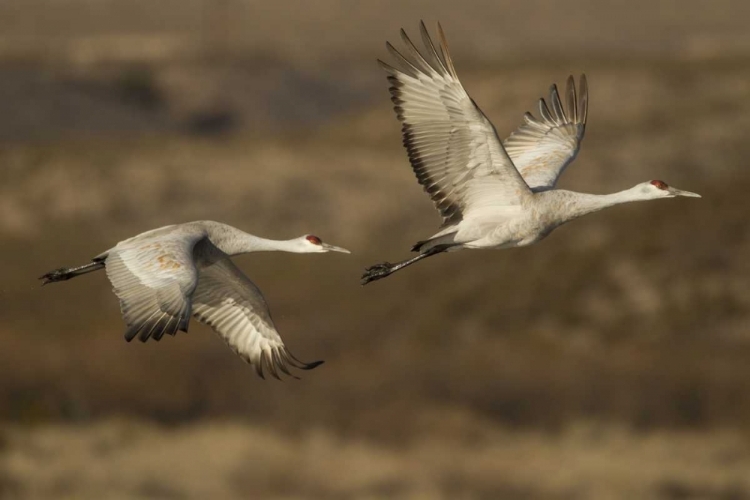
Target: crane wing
{"points": [[542, 147], [154, 279], [231, 304], [452, 146]]}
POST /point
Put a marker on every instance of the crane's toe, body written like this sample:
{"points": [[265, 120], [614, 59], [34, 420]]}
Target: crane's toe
{"points": [[60, 274], [376, 272]]}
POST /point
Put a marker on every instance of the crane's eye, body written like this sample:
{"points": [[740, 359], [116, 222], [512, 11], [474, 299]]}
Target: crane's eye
{"points": [[659, 184], [314, 240]]}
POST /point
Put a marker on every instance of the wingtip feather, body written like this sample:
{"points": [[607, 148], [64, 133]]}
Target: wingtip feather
{"points": [[557, 107], [445, 51], [313, 365], [583, 89], [437, 62], [572, 98]]}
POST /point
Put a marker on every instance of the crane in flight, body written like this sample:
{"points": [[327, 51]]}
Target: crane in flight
{"points": [[490, 193], [165, 275]]}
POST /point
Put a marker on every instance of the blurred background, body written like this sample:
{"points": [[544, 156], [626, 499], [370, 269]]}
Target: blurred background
{"points": [[610, 361]]}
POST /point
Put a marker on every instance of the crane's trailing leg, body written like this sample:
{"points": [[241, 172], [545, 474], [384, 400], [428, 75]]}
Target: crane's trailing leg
{"points": [[379, 271], [65, 273]]}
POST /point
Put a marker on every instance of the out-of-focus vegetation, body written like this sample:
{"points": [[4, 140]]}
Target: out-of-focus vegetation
{"points": [[609, 361]]}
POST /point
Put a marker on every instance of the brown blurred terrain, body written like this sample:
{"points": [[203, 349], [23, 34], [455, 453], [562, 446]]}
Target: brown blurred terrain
{"points": [[611, 361]]}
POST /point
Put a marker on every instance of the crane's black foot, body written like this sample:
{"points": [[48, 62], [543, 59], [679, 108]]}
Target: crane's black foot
{"points": [[61, 274], [376, 272]]}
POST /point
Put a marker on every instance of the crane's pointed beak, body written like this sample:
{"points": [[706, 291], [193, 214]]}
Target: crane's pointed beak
{"points": [[680, 192], [332, 248]]}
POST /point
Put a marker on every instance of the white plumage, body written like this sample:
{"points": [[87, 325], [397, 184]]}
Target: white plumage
{"points": [[491, 194], [542, 147]]}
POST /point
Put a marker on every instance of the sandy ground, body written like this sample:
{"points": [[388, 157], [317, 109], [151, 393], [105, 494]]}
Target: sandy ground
{"points": [[225, 459]]}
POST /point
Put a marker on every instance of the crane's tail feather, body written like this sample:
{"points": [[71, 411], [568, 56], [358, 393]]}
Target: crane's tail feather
{"points": [[65, 273]]}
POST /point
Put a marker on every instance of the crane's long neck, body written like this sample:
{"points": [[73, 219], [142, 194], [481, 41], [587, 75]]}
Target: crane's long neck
{"points": [[569, 205], [232, 241]]}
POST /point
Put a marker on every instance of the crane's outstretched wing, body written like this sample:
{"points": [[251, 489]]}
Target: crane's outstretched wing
{"points": [[231, 304], [154, 280], [453, 148], [542, 147]]}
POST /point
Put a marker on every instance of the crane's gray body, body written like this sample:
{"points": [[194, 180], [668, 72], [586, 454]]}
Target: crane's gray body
{"points": [[166, 275], [491, 193]]}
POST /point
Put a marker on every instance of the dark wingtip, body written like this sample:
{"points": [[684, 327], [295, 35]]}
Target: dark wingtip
{"points": [[130, 333], [313, 365], [303, 365]]}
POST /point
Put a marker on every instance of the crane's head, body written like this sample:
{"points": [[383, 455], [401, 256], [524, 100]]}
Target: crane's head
{"points": [[660, 189], [310, 243]]}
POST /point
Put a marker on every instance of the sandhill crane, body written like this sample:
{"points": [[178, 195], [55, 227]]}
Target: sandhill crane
{"points": [[491, 194], [165, 275]]}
